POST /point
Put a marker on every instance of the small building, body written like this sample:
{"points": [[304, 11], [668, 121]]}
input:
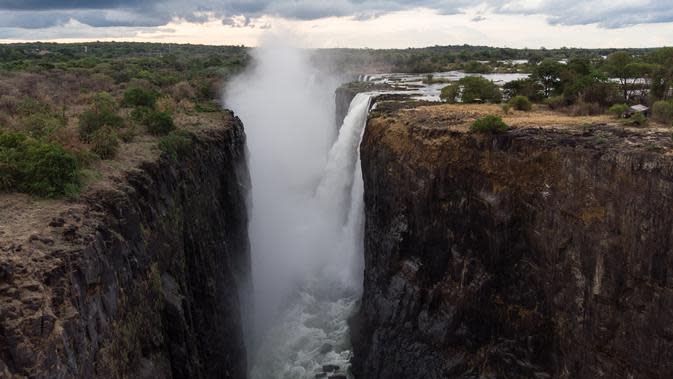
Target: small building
{"points": [[638, 109]]}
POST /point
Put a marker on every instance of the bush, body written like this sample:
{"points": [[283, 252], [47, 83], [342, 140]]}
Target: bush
{"points": [[618, 110], [30, 166], [662, 111], [176, 143], [521, 103], [159, 123], [506, 108], [105, 143], [489, 124], [91, 121], [138, 97], [555, 102], [637, 119], [141, 114], [41, 124]]}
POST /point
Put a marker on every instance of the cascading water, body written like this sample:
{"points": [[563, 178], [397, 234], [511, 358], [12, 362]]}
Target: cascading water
{"points": [[306, 218]]}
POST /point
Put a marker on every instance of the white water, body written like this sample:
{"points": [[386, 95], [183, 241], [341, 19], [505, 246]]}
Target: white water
{"points": [[307, 214]]}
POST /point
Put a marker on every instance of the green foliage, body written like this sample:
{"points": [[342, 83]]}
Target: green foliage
{"points": [[548, 73], [521, 103], [524, 87], [450, 93], [471, 89], [139, 97], [506, 108], [105, 143], [141, 114], [91, 121], [29, 106], [637, 119], [555, 102], [159, 123], [41, 124], [618, 110], [39, 168], [489, 124], [103, 102], [176, 143], [662, 111], [474, 67]]}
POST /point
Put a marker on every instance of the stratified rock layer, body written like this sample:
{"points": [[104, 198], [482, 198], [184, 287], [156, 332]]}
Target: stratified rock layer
{"points": [[139, 281], [538, 253]]}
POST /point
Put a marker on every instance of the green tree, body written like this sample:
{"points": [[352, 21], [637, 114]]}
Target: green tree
{"points": [[548, 73], [471, 89], [619, 66]]}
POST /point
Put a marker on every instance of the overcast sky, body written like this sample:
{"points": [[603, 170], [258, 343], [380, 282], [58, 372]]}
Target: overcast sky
{"points": [[346, 23]]}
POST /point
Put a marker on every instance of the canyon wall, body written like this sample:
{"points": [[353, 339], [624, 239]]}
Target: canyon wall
{"points": [[537, 253], [140, 280]]}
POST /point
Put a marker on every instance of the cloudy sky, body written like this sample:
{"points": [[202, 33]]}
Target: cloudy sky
{"points": [[346, 23]]}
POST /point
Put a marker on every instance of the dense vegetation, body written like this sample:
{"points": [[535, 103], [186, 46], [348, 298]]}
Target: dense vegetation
{"points": [[471, 59], [585, 86], [63, 107]]}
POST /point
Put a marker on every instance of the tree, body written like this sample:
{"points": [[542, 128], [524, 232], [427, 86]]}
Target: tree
{"points": [[470, 89], [548, 73], [618, 66]]}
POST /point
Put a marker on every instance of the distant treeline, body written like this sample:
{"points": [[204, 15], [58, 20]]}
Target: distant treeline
{"points": [[478, 59]]}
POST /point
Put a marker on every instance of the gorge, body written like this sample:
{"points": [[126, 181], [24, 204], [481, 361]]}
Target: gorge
{"points": [[398, 245]]}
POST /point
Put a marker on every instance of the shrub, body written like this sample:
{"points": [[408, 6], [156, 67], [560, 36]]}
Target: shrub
{"points": [[637, 119], [128, 134], [91, 121], [105, 143], [182, 91], [167, 105], [138, 97], [39, 168], [29, 106], [103, 102], [521, 103], [662, 111], [41, 124], [489, 124], [555, 102], [506, 108], [618, 110], [141, 114], [176, 143], [159, 123]]}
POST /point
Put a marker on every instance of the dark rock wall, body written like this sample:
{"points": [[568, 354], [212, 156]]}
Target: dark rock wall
{"points": [[533, 254], [144, 281]]}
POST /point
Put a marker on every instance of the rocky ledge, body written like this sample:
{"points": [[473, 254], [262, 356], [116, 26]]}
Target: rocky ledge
{"points": [[137, 279], [543, 252]]}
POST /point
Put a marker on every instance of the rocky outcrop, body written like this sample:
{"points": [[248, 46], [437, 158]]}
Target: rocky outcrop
{"points": [[538, 253], [345, 94], [138, 281]]}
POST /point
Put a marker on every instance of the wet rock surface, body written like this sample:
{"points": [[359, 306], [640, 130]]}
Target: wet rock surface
{"points": [[139, 281], [539, 253]]}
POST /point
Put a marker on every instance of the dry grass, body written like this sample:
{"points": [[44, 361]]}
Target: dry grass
{"points": [[459, 117]]}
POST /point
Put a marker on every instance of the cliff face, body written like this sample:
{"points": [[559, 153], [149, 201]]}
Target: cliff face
{"points": [[141, 280], [537, 253]]}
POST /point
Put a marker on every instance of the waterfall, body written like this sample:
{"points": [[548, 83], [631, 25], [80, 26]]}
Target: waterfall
{"points": [[306, 213], [312, 330]]}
